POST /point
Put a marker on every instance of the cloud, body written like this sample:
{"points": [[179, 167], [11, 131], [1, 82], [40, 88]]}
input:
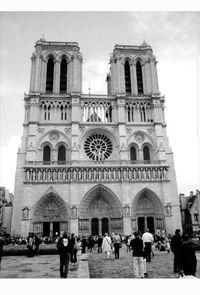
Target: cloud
{"points": [[94, 74], [8, 156]]}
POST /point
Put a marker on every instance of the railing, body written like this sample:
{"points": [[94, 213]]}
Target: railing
{"points": [[92, 163], [96, 174]]}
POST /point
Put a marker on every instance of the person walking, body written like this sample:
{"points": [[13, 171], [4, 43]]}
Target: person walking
{"points": [[73, 258], [148, 240], [138, 252], [37, 244], [99, 243], [107, 245], [30, 245], [176, 244], [117, 244], [64, 246], [2, 242], [84, 244], [188, 260]]}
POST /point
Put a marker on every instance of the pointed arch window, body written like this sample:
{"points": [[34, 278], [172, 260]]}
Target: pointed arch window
{"points": [[61, 154], [49, 77], [133, 154], [63, 76], [146, 153], [46, 155], [127, 77], [139, 78]]}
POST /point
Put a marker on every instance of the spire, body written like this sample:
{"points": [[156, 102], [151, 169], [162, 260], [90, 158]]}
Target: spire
{"points": [[144, 44]]}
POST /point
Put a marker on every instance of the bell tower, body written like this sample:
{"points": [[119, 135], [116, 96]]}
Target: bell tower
{"points": [[133, 71], [56, 68]]}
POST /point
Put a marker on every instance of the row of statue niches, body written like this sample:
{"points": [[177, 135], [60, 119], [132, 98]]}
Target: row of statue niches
{"points": [[95, 174]]}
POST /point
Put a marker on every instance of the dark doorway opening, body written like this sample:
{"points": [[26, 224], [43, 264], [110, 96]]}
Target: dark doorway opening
{"points": [[150, 224], [56, 228], [105, 227], [46, 229], [95, 226], [141, 224]]}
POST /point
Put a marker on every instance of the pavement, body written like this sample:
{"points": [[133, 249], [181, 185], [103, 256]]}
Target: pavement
{"points": [[89, 265]]}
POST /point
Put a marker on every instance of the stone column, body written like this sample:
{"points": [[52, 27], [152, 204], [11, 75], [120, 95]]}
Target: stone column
{"points": [[133, 79], [43, 76], [56, 77], [100, 227], [154, 76], [33, 72], [51, 228], [38, 74]]}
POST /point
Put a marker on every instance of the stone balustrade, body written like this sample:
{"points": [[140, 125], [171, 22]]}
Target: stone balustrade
{"points": [[95, 174]]}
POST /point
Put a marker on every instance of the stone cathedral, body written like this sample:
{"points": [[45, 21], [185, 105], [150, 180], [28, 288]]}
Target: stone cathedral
{"points": [[90, 163]]}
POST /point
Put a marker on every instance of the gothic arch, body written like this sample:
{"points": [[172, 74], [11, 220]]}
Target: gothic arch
{"points": [[48, 55], [104, 130], [50, 207], [143, 138], [147, 202], [40, 141], [65, 55], [100, 201], [141, 59], [127, 58]]}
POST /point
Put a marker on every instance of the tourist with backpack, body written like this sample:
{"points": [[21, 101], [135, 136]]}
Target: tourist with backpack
{"points": [[64, 246]]}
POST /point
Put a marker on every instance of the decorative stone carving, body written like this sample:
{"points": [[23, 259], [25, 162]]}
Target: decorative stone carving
{"points": [[150, 130], [68, 130], [41, 130], [128, 130], [126, 210], [54, 136], [74, 211], [25, 212], [168, 209], [82, 128], [139, 137]]}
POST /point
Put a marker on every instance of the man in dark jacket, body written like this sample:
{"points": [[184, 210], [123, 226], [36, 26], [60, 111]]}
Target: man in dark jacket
{"points": [[2, 242], [138, 251], [188, 260], [176, 244], [64, 246]]}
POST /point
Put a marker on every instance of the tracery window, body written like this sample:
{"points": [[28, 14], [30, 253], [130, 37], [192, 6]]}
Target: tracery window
{"points": [[49, 77], [133, 154], [146, 153], [139, 78], [46, 154], [98, 147], [127, 77], [63, 76], [61, 154]]}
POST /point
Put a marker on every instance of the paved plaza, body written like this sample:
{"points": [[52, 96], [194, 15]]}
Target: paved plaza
{"points": [[90, 265]]}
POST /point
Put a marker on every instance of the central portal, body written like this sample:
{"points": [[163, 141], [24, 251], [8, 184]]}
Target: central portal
{"points": [[99, 226], [100, 212]]}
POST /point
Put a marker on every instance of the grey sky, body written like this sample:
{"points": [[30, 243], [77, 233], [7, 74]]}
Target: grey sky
{"points": [[174, 37]]}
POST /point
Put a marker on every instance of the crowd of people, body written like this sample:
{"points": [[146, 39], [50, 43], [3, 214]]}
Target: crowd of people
{"points": [[69, 246]]}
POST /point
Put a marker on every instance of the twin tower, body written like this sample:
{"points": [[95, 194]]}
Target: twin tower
{"points": [[90, 163]]}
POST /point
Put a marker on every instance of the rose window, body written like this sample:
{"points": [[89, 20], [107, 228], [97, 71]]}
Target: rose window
{"points": [[98, 147]]}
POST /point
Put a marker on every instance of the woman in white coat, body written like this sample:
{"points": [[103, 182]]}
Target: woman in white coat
{"points": [[107, 245]]}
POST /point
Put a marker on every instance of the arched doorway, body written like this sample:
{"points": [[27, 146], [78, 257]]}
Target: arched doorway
{"points": [[95, 227], [100, 211], [147, 212], [50, 216], [105, 227]]}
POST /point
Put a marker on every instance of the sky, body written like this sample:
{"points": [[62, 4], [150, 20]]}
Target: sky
{"points": [[174, 37]]}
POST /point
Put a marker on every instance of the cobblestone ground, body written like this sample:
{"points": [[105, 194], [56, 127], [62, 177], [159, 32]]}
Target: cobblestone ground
{"points": [[161, 265], [47, 266], [44, 266]]}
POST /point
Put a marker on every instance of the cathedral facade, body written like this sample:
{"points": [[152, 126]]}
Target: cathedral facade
{"points": [[91, 164]]}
